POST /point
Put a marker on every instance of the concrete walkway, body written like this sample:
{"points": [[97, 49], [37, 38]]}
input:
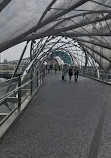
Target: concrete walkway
{"points": [[64, 120]]}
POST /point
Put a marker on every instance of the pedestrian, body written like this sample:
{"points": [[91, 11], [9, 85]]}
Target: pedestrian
{"points": [[64, 72], [55, 67], [70, 73], [76, 72], [48, 68], [59, 67], [51, 67]]}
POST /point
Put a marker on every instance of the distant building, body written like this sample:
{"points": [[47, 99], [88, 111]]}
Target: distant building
{"points": [[5, 61]]}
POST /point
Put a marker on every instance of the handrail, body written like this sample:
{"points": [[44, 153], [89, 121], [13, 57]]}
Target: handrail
{"points": [[104, 77], [13, 91], [38, 78], [8, 80]]}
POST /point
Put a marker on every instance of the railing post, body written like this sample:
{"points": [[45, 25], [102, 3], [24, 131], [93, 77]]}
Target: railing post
{"points": [[43, 73], [102, 77], [19, 91], [31, 70], [31, 83], [37, 78], [41, 76]]}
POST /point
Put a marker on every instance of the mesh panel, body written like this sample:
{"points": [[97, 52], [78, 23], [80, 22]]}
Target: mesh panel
{"points": [[20, 16], [88, 20]]}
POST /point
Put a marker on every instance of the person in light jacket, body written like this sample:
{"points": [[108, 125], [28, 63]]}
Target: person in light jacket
{"points": [[64, 71]]}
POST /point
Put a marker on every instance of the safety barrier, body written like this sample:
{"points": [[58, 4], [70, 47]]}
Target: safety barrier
{"points": [[18, 92], [101, 76]]}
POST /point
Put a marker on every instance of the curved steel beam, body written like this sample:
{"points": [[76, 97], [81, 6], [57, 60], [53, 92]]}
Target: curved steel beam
{"points": [[101, 44], [70, 35], [4, 4], [95, 51], [18, 39], [61, 30]]}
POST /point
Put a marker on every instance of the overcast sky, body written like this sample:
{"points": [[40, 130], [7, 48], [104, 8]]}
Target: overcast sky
{"points": [[15, 52]]}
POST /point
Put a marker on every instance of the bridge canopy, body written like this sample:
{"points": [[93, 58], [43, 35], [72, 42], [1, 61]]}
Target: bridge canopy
{"points": [[64, 56], [86, 21]]}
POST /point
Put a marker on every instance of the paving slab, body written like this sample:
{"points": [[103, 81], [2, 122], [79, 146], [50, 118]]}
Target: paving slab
{"points": [[62, 121]]}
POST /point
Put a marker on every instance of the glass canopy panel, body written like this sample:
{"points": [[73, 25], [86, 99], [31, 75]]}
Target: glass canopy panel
{"points": [[101, 61], [86, 21], [20, 16]]}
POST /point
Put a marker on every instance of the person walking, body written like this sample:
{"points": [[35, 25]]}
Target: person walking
{"points": [[64, 72], [76, 72], [70, 73], [48, 68], [55, 67]]}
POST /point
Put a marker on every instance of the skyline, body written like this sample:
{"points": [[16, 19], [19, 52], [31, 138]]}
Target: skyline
{"points": [[14, 53]]}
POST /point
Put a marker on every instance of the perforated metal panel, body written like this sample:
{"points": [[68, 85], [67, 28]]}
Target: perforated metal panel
{"points": [[86, 21]]}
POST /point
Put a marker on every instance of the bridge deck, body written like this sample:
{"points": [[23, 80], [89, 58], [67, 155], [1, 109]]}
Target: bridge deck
{"points": [[64, 120]]}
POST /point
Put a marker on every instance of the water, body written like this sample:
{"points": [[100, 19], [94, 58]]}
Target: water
{"points": [[2, 79]]}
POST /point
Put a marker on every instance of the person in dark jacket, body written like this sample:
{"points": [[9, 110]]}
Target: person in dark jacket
{"points": [[76, 72], [70, 73]]}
